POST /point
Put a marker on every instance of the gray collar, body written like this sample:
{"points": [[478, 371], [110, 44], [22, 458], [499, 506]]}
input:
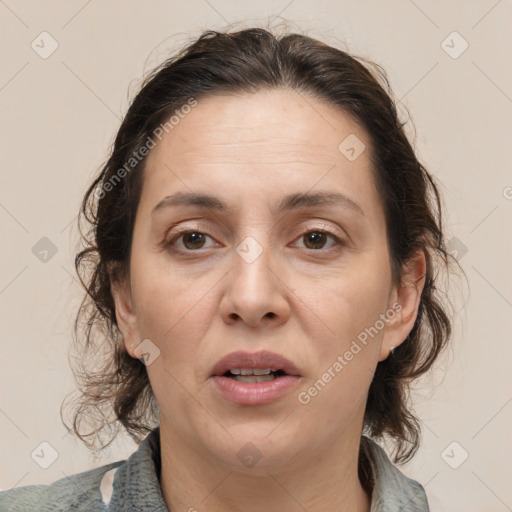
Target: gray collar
{"points": [[136, 486], [392, 490]]}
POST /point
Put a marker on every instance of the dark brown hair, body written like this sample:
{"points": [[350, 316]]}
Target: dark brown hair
{"points": [[115, 389]]}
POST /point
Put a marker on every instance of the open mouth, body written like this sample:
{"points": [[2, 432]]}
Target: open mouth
{"points": [[254, 386], [253, 375], [254, 378]]}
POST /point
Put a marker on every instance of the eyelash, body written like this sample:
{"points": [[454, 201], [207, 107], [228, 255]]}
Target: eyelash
{"points": [[339, 242]]}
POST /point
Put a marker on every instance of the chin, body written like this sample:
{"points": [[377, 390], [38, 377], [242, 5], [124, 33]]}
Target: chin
{"points": [[258, 448]]}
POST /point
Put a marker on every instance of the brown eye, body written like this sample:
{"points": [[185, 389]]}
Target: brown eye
{"points": [[193, 240], [317, 239], [190, 241]]}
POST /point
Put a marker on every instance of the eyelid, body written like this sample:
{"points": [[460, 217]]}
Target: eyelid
{"points": [[320, 225]]}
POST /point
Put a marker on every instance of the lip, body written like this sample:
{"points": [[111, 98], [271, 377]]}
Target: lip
{"points": [[257, 360], [261, 393]]}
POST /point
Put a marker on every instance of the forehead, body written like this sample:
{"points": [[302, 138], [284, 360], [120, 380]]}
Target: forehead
{"points": [[259, 145], [262, 126]]}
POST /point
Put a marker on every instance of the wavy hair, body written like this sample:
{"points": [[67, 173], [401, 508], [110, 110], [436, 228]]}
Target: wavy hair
{"points": [[114, 387]]}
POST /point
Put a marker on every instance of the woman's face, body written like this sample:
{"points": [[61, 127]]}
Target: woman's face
{"points": [[254, 274]]}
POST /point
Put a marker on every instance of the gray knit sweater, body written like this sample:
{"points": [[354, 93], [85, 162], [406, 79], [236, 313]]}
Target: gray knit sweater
{"points": [[133, 486]]}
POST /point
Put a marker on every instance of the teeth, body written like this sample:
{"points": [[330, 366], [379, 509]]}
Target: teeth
{"points": [[251, 371], [253, 379], [261, 371]]}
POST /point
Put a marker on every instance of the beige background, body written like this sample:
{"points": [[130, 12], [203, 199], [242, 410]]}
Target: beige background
{"points": [[60, 114]]}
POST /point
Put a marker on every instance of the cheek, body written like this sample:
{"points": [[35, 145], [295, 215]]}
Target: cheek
{"points": [[174, 312], [350, 307], [352, 301], [173, 309]]}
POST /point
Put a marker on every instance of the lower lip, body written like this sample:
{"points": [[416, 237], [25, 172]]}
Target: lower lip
{"points": [[259, 393]]}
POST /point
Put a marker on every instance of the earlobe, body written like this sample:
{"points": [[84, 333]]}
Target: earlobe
{"points": [[408, 296], [125, 315]]}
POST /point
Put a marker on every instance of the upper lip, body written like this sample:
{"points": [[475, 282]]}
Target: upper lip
{"points": [[255, 360]]}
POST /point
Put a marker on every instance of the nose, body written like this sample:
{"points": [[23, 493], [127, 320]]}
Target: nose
{"points": [[256, 293]]}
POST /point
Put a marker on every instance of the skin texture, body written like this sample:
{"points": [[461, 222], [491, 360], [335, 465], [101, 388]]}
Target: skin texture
{"points": [[301, 298]]}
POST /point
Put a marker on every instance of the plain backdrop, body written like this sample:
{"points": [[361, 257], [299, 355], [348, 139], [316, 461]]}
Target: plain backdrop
{"points": [[448, 63]]}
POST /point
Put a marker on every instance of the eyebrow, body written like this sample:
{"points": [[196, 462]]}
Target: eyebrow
{"points": [[288, 203]]}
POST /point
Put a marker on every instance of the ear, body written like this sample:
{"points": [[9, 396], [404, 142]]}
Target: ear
{"points": [[405, 301], [125, 315]]}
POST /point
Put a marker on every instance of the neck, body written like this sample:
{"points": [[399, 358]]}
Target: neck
{"points": [[192, 481]]}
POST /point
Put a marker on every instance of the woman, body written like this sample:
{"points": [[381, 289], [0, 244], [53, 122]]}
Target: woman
{"points": [[264, 245]]}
